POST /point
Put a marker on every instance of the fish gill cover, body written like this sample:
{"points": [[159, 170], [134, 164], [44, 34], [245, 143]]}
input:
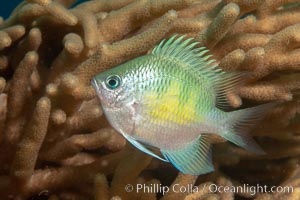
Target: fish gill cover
{"points": [[55, 141]]}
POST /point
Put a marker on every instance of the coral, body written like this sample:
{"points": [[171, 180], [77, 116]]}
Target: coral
{"points": [[55, 141]]}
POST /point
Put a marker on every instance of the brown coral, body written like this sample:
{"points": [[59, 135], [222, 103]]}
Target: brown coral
{"points": [[55, 141]]}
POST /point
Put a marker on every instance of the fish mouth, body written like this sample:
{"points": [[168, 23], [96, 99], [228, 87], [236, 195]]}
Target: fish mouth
{"points": [[97, 86], [94, 83]]}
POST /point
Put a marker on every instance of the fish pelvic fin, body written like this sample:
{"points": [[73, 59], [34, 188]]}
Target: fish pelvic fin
{"points": [[142, 147], [239, 123], [194, 159]]}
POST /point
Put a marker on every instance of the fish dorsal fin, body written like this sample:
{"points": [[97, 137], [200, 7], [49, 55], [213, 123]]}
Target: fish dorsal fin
{"points": [[199, 64], [195, 59], [226, 83]]}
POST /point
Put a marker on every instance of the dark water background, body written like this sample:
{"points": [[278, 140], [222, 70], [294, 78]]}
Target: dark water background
{"points": [[7, 6]]}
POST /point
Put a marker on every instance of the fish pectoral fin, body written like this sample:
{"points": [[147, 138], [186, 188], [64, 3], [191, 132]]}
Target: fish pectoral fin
{"points": [[194, 159], [142, 147]]}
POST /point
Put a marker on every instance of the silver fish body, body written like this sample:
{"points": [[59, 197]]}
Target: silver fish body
{"points": [[171, 100]]}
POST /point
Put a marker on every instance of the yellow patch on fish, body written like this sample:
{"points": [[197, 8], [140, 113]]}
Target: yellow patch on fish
{"points": [[168, 108]]}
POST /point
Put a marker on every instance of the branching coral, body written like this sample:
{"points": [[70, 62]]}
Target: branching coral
{"points": [[55, 141]]}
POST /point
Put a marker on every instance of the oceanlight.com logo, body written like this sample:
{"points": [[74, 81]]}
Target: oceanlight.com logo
{"points": [[212, 188], [250, 189]]}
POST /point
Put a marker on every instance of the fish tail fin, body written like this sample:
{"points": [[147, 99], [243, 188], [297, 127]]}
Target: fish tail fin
{"points": [[239, 123]]}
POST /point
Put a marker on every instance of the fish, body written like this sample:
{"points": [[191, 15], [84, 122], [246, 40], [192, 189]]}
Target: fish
{"points": [[169, 102]]}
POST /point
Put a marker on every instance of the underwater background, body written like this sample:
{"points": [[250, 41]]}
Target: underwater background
{"points": [[55, 140], [7, 6]]}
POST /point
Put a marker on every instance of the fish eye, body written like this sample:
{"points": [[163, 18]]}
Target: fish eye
{"points": [[113, 82]]}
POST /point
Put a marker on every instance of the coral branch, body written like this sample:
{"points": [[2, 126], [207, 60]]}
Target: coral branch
{"points": [[182, 180], [140, 161], [131, 16], [28, 149], [220, 26], [89, 26], [246, 6], [65, 177], [104, 5], [233, 60], [15, 32], [203, 192], [77, 143], [101, 187], [20, 82], [5, 40], [2, 84], [87, 117], [56, 10], [3, 62], [3, 113], [17, 95], [113, 54]]}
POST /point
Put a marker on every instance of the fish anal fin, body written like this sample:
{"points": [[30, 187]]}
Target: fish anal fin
{"points": [[194, 159]]}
